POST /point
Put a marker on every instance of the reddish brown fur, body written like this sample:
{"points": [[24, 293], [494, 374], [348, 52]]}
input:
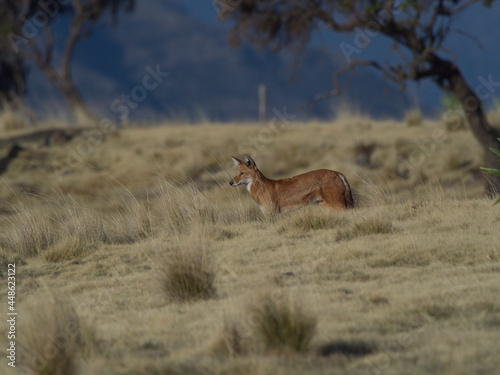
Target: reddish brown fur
{"points": [[325, 187]]}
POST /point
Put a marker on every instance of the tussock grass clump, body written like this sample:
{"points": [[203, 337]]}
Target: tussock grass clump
{"points": [[126, 227], [309, 218], [364, 152], [272, 324], [413, 117], [58, 235], [493, 171], [366, 227], [180, 208], [87, 224], [373, 226], [67, 249], [68, 231], [31, 232], [283, 326], [188, 274], [53, 339], [313, 221], [239, 211], [80, 231]]}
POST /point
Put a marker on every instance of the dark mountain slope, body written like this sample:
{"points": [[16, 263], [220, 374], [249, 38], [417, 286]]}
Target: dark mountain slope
{"points": [[207, 78]]}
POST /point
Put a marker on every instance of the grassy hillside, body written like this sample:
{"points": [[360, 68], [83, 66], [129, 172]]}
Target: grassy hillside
{"points": [[135, 256]]}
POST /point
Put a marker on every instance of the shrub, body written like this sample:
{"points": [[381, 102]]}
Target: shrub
{"points": [[271, 324], [284, 326], [364, 152], [188, 274], [454, 116]]}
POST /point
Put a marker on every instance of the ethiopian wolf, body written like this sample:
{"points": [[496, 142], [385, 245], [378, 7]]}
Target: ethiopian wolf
{"points": [[324, 187]]}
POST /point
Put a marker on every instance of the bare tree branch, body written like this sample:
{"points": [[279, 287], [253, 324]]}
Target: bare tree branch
{"points": [[449, 52], [420, 26], [469, 36], [463, 6], [349, 25], [37, 53], [40, 50], [74, 36], [49, 45], [359, 62]]}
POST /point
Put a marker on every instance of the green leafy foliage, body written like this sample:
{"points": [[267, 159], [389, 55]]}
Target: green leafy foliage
{"points": [[450, 103]]}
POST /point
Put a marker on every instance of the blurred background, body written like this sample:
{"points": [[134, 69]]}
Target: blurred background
{"points": [[210, 80]]}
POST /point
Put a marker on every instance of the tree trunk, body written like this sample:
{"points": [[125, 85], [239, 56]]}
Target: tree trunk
{"points": [[486, 135], [78, 108]]}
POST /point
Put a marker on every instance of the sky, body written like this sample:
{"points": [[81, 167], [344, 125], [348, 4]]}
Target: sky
{"points": [[112, 61]]}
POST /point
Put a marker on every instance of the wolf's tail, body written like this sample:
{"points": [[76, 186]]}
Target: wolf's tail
{"points": [[348, 199]]}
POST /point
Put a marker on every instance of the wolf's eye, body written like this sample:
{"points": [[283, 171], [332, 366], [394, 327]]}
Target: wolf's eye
{"points": [[241, 174]]}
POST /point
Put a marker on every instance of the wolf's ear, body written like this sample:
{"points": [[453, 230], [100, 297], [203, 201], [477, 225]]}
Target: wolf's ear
{"points": [[249, 161], [236, 161]]}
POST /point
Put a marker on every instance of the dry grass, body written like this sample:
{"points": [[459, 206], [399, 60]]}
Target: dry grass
{"points": [[365, 227], [12, 120], [52, 339], [68, 231], [31, 234], [312, 219], [413, 118], [271, 323], [284, 326], [187, 273], [79, 232], [131, 225], [145, 229]]}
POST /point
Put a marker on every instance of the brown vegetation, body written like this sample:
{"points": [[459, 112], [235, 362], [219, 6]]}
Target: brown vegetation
{"points": [[166, 262]]}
